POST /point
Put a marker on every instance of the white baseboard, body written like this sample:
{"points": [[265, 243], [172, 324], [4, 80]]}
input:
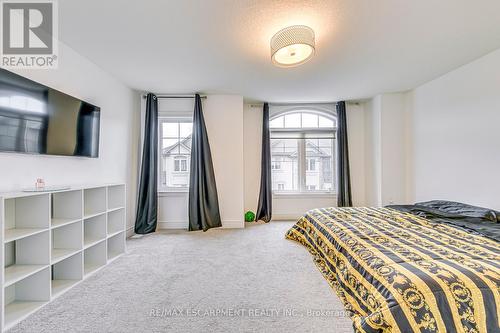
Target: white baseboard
{"points": [[226, 224], [173, 225], [286, 217], [233, 224], [130, 232]]}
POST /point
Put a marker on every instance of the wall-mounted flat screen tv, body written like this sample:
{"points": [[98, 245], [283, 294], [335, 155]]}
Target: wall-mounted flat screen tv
{"points": [[36, 119]]}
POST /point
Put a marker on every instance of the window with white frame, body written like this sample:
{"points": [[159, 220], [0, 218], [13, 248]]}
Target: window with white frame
{"points": [[276, 165], [174, 153], [311, 164], [180, 164], [303, 151]]}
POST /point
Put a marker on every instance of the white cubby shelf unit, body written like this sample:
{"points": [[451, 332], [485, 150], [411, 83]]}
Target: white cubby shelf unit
{"points": [[53, 240]]}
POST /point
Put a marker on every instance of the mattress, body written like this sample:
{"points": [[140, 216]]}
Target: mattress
{"points": [[398, 272]]}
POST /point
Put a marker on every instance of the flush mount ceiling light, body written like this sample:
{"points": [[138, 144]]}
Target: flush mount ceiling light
{"points": [[292, 46]]}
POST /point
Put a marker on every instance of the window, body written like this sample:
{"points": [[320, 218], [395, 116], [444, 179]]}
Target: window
{"points": [[310, 164], [303, 120], [276, 165], [285, 152], [180, 164], [303, 151], [175, 153]]}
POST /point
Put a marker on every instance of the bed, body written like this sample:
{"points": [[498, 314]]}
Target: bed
{"points": [[408, 268]]}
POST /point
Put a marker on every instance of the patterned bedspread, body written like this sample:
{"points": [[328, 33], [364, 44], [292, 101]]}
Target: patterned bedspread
{"points": [[396, 272]]}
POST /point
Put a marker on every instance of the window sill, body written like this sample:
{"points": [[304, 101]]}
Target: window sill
{"points": [[303, 195], [169, 193]]}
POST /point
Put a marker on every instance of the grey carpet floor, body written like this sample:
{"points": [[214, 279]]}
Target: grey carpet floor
{"points": [[240, 280]]}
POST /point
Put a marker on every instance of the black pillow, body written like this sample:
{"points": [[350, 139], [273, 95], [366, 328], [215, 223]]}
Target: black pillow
{"points": [[462, 209]]}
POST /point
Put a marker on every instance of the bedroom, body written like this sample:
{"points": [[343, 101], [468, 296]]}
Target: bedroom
{"points": [[130, 127]]}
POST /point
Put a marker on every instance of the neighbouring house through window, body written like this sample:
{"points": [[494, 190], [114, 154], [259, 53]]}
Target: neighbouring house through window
{"points": [[180, 164], [175, 153], [303, 151], [311, 164]]}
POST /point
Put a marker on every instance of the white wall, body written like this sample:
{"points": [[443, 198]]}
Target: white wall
{"points": [[373, 164], [387, 140], [224, 121], [79, 77], [456, 142], [356, 118], [173, 210], [252, 140], [291, 207], [438, 141]]}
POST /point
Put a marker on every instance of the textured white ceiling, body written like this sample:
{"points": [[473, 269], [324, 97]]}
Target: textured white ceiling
{"points": [[364, 47]]}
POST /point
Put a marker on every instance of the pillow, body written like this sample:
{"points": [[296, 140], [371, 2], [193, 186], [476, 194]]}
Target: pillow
{"points": [[462, 209]]}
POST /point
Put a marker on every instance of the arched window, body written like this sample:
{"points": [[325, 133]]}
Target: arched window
{"points": [[303, 151], [303, 120]]}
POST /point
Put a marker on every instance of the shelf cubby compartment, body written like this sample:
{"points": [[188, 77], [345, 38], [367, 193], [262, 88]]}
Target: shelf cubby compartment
{"points": [[66, 241], [67, 207], [94, 230], [55, 239], [26, 296], [94, 257], [116, 196], [26, 256], [94, 201], [116, 221], [25, 216], [116, 245], [67, 273]]}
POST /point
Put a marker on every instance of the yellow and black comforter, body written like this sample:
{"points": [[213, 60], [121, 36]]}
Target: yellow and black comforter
{"points": [[396, 272]]}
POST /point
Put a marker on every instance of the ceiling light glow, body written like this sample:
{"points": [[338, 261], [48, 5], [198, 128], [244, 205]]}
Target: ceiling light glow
{"points": [[292, 46]]}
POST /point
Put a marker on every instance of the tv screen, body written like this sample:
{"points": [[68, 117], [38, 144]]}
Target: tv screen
{"points": [[36, 119]]}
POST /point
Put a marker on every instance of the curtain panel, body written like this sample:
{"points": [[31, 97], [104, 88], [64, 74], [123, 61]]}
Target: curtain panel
{"points": [[265, 204], [203, 200], [147, 202], [344, 197]]}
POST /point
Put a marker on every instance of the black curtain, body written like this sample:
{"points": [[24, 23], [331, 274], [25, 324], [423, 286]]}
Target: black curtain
{"points": [[265, 205], [147, 204], [203, 201], [344, 198]]}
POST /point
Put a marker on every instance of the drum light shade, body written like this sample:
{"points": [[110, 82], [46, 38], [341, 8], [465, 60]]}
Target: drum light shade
{"points": [[292, 46]]}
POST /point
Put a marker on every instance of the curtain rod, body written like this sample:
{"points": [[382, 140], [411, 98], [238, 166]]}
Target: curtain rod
{"points": [[299, 104], [291, 104], [174, 96]]}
